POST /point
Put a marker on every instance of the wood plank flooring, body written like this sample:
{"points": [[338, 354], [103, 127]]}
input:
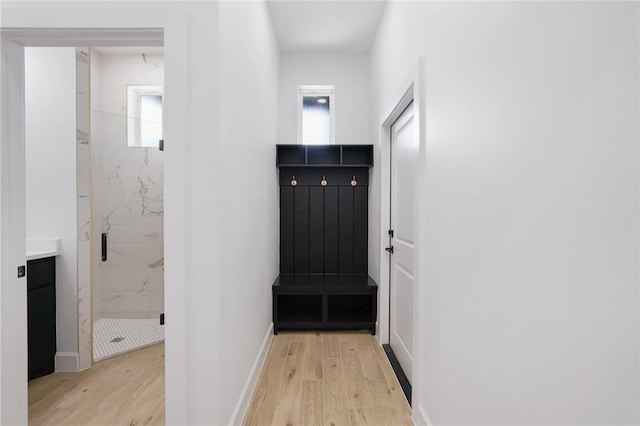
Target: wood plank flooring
{"points": [[327, 379], [126, 390]]}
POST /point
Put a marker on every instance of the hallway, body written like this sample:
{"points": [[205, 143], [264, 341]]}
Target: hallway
{"points": [[520, 301], [327, 379]]}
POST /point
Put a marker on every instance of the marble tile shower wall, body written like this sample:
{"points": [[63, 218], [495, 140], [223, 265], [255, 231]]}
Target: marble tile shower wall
{"points": [[83, 192], [128, 198]]}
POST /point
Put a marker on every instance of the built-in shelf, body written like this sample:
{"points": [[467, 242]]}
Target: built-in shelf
{"points": [[291, 154], [357, 155], [300, 308], [324, 155], [349, 308], [324, 302]]}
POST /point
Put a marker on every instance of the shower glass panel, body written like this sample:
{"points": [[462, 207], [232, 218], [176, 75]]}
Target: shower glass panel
{"points": [[127, 203]]}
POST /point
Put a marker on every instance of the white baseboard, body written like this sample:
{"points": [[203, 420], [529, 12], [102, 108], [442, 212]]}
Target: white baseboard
{"points": [[66, 362], [421, 417], [249, 387]]}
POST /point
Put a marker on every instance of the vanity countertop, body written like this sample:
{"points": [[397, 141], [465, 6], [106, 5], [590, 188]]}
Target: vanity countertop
{"points": [[39, 248]]}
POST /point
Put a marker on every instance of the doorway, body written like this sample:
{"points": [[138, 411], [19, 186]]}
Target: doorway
{"points": [[13, 392], [402, 165], [127, 182]]}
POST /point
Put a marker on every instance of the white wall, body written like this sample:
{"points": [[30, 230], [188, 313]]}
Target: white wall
{"points": [[127, 194], [529, 289], [50, 113], [349, 73], [249, 217]]}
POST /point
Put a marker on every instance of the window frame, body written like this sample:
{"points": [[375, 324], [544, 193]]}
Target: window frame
{"points": [[317, 90], [135, 92]]}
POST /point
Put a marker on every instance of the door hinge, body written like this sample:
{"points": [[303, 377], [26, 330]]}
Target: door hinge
{"points": [[391, 233], [161, 144], [162, 319]]}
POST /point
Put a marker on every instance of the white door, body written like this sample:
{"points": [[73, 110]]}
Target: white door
{"points": [[404, 154]]}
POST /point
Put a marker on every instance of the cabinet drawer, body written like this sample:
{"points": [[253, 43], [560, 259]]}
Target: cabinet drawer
{"points": [[41, 273]]}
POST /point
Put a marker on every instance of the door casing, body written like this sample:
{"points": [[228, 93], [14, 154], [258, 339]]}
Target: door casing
{"points": [[411, 90], [115, 26]]}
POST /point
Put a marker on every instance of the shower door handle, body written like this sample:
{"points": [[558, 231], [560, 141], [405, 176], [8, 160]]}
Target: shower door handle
{"points": [[104, 247]]}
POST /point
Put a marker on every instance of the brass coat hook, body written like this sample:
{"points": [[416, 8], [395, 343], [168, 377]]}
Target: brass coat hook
{"points": [[354, 182], [294, 182]]}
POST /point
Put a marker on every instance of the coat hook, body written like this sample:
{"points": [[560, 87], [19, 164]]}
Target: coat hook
{"points": [[354, 182], [294, 182], [323, 182]]}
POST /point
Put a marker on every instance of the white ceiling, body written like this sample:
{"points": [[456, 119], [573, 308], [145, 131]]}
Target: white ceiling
{"points": [[325, 26], [301, 26]]}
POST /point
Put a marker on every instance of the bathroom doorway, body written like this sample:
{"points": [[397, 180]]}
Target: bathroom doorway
{"points": [[68, 135], [23, 28], [127, 199]]}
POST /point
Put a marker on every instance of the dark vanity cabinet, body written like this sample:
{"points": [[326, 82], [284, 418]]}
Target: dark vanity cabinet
{"points": [[41, 316], [323, 281]]}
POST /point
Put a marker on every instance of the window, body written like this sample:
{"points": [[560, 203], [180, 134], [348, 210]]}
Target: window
{"points": [[144, 116], [316, 111]]}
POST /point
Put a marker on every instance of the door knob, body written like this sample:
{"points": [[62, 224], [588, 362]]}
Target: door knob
{"points": [[389, 249]]}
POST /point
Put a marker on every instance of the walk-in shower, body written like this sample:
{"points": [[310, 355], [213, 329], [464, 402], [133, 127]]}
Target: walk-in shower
{"points": [[127, 200]]}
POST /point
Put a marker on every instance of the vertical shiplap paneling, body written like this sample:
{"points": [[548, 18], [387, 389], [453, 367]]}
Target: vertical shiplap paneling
{"points": [[316, 225], [331, 208], [286, 230], [301, 230], [345, 248], [360, 229]]}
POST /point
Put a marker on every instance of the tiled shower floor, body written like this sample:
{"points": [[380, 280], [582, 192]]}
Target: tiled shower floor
{"points": [[113, 337]]}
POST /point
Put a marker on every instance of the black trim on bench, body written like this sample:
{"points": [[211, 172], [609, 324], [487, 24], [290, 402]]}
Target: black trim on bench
{"points": [[402, 378]]}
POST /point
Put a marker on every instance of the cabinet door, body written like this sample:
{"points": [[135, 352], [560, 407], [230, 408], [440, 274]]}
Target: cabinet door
{"points": [[41, 314], [41, 273]]}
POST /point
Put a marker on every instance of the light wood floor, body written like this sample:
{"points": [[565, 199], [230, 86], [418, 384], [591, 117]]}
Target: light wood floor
{"points": [[126, 390], [329, 379]]}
